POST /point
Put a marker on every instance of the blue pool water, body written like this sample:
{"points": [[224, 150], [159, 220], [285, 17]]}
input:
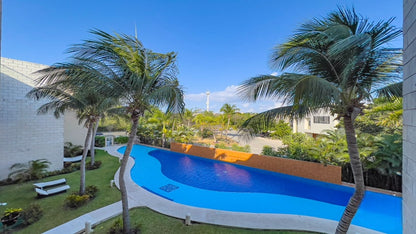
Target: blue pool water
{"points": [[218, 185]]}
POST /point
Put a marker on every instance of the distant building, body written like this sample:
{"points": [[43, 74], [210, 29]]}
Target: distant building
{"points": [[25, 135], [314, 124]]}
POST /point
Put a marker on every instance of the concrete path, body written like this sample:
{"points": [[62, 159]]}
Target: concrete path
{"points": [[98, 216]]}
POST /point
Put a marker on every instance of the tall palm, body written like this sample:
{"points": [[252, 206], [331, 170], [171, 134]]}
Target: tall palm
{"points": [[228, 110], [56, 84], [138, 77], [340, 61]]}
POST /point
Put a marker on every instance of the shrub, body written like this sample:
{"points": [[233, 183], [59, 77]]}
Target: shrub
{"points": [[91, 190], [206, 133], [100, 141], [96, 165], [32, 214], [281, 129], [12, 211], [237, 147], [32, 170], [121, 140], [117, 227], [75, 200], [71, 150]]}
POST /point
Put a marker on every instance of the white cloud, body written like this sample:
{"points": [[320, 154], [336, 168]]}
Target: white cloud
{"points": [[229, 95]]}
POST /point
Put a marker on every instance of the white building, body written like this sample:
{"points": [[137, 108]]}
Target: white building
{"points": [[314, 124], [409, 117], [25, 135]]}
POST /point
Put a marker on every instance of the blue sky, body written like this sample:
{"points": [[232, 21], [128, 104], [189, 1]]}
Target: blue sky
{"points": [[220, 43]]}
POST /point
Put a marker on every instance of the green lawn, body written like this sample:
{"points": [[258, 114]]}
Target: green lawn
{"points": [[21, 195], [153, 222]]}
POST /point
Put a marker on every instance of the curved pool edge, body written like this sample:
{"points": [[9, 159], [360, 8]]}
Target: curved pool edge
{"points": [[139, 197]]}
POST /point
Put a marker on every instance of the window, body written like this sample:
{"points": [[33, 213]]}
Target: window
{"points": [[321, 119], [308, 124]]}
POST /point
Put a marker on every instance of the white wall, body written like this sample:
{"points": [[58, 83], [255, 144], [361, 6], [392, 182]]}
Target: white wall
{"points": [[300, 125], [74, 132], [24, 135], [409, 117]]}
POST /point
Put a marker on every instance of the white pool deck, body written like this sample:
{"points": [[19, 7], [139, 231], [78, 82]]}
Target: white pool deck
{"points": [[139, 197]]}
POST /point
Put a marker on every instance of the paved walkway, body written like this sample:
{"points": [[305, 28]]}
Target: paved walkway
{"points": [[256, 143], [141, 197]]}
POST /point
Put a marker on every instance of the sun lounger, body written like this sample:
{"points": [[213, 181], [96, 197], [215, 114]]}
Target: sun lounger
{"points": [[50, 183], [43, 193], [73, 159]]}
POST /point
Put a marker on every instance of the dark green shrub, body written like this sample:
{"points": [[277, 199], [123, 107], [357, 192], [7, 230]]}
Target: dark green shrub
{"points": [[32, 170], [268, 150], [71, 150], [91, 190], [121, 139], [117, 227], [206, 133], [100, 141], [96, 165], [32, 214], [75, 200]]}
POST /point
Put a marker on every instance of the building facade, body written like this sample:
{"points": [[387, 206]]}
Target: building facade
{"points": [[25, 135], [409, 117], [315, 124]]}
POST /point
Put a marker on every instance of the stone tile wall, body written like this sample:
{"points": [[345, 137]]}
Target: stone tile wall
{"points": [[409, 116], [24, 135]]}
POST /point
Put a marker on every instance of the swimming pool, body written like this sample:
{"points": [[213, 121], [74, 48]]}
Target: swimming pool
{"points": [[218, 185]]}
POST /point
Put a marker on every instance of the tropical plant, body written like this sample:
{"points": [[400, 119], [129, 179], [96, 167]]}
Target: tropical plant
{"points": [[57, 84], [281, 129], [71, 150], [228, 110], [341, 62], [135, 75], [34, 169]]}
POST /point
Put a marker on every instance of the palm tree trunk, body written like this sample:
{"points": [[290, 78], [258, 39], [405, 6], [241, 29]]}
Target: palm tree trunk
{"points": [[228, 127], [92, 146], [357, 170], [123, 189], [84, 157]]}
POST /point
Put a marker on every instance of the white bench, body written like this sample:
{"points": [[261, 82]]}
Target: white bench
{"points": [[50, 183], [73, 159], [42, 193]]}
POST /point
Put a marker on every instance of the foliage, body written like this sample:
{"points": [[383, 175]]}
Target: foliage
{"points": [[234, 147], [269, 151], [34, 169], [117, 228], [206, 133], [100, 141], [32, 214], [12, 211], [91, 190], [75, 200], [121, 139], [114, 123], [96, 165], [281, 129], [388, 156], [71, 150]]}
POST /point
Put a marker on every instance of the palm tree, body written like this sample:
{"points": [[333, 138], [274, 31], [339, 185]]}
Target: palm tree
{"points": [[228, 110], [138, 77], [56, 84], [340, 61], [34, 169]]}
